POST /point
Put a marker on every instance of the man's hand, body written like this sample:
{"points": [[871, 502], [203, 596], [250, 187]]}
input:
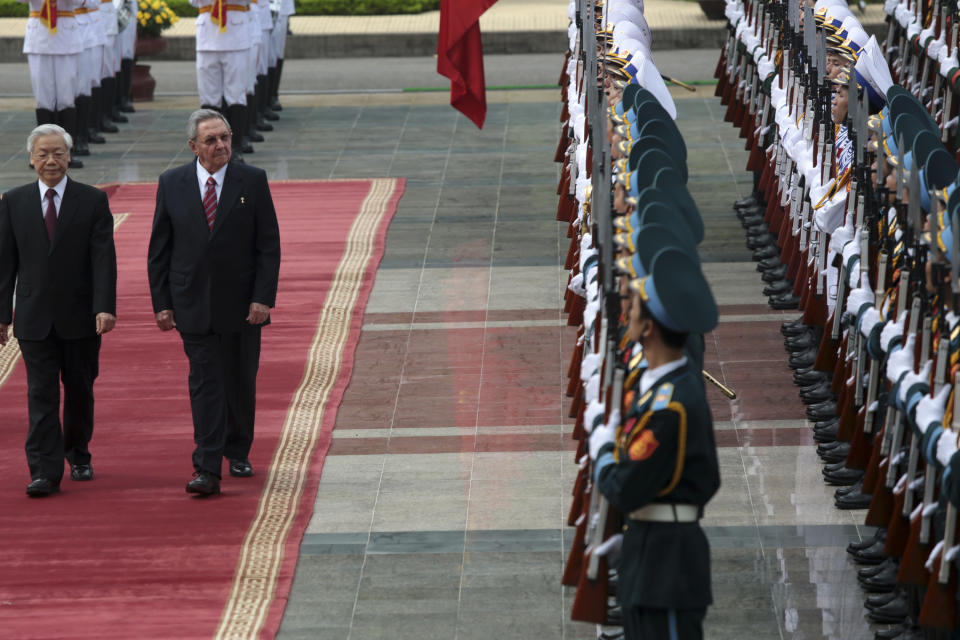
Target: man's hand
{"points": [[3, 333], [105, 323], [165, 320], [258, 313]]}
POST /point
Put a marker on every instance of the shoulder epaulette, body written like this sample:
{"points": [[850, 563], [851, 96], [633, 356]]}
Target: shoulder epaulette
{"points": [[663, 397]]}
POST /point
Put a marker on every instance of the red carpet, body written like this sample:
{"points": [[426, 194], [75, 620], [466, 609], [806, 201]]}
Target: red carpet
{"points": [[131, 555]]}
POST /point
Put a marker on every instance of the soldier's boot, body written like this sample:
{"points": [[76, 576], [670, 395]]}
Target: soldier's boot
{"points": [[251, 131], [237, 117], [263, 98], [45, 116], [126, 86], [273, 73], [93, 120], [102, 102], [111, 107], [67, 118], [260, 97], [79, 131]]}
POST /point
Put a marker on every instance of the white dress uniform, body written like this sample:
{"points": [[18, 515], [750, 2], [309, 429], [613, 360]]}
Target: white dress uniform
{"points": [[128, 37], [223, 56], [52, 55], [111, 50], [278, 36]]}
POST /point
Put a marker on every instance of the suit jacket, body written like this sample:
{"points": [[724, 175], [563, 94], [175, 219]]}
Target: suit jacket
{"points": [[665, 452], [209, 277], [63, 285]]}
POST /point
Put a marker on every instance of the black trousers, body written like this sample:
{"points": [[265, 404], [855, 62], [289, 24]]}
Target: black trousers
{"points": [[663, 624], [223, 392], [76, 363]]}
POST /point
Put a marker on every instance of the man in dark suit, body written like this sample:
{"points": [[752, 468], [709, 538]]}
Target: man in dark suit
{"points": [[214, 261], [56, 245]]}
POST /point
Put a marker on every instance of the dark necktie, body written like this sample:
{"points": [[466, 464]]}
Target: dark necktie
{"points": [[210, 201], [50, 217]]}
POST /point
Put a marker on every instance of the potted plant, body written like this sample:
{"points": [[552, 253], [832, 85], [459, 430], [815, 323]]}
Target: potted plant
{"points": [[153, 18]]}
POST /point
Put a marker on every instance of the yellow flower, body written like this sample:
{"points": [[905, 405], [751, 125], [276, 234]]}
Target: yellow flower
{"points": [[159, 20]]}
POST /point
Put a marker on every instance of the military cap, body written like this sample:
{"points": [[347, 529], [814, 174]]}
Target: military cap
{"points": [[873, 73], [654, 215], [652, 160], [655, 206], [676, 294], [940, 169], [645, 143], [906, 104], [667, 130]]}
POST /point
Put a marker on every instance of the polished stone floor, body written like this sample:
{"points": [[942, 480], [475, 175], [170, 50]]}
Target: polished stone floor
{"points": [[442, 505]]}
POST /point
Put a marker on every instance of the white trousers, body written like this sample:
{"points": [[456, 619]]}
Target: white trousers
{"points": [[263, 56], [88, 70], [253, 55], [111, 57], [223, 75], [279, 36], [128, 40], [54, 80]]}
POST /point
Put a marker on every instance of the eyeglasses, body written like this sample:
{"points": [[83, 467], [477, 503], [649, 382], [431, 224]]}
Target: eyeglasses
{"points": [[43, 155]]}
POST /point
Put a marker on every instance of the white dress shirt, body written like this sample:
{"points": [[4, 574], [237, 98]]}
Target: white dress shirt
{"points": [[652, 375], [203, 174], [57, 199]]}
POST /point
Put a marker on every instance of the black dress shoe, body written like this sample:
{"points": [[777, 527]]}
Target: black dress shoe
{"points": [[253, 136], [837, 454], [843, 491], [833, 467], [880, 599], [760, 229], [809, 378], [785, 301], [831, 422], [778, 287], [769, 251], [81, 472], [879, 534], [883, 580], [893, 612], [822, 410], [42, 487], [843, 477], [801, 342], [802, 359], [852, 500], [745, 203], [900, 631], [819, 393], [75, 164], [870, 571], [204, 484], [94, 137], [759, 242], [779, 273], [769, 263], [825, 447], [241, 468], [793, 327], [749, 222]]}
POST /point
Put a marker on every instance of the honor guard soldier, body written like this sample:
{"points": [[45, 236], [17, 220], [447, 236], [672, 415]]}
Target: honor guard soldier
{"points": [[223, 44], [110, 66], [53, 44], [128, 42], [659, 467], [282, 10]]}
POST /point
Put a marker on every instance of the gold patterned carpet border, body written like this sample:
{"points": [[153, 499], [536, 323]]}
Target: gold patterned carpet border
{"points": [[10, 352], [262, 552]]}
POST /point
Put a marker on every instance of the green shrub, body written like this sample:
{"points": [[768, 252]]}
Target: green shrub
{"points": [[14, 9], [183, 8]]}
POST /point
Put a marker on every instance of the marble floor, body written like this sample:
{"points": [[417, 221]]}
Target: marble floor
{"points": [[442, 505]]}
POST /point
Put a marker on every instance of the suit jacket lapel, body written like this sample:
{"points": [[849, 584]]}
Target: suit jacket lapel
{"points": [[194, 198], [228, 197], [68, 209]]}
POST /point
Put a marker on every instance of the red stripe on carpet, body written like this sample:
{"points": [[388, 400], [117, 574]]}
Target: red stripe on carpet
{"points": [[130, 555]]}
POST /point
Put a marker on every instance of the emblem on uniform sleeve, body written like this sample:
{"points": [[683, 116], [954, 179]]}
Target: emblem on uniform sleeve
{"points": [[644, 446]]}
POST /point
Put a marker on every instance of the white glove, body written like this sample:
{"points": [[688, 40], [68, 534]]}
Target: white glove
{"points": [[892, 331], [870, 318], [946, 447], [857, 298], [593, 414], [603, 434], [901, 361], [914, 378], [930, 410]]}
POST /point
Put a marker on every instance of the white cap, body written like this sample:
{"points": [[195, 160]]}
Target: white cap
{"points": [[872, 72]]}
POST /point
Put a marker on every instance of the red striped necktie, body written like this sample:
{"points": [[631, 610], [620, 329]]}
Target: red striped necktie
{"points": [[210, 201]]}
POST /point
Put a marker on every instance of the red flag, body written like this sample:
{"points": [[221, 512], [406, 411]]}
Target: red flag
{"points": [[460, 56]]}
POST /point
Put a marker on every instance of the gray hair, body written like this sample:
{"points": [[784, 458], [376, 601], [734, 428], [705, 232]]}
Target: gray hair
{"points": [[198, 116], [48, 130]]}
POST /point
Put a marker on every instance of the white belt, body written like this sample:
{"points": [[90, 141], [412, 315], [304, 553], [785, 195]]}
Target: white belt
{"points": [[661, 512]]}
